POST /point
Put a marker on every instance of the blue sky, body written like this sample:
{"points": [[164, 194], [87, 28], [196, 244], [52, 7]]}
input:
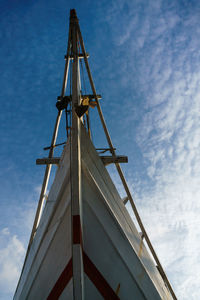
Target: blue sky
{"points": [[145, 60]]}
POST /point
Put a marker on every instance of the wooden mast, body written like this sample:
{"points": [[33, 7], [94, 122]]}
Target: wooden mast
{"points": [[76, 201]]}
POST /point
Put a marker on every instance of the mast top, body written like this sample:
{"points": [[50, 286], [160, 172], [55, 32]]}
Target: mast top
{"points": [[73, 14]]}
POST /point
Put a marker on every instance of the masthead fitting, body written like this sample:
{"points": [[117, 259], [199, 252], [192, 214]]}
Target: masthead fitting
{"points": [[73, 14]]}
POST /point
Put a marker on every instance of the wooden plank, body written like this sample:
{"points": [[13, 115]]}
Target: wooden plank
{"points": [[48, 161], [114, 159], [80, 55], [90, 96]]}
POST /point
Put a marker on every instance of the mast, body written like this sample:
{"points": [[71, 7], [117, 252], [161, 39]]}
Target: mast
{"points": [[76, 201]]}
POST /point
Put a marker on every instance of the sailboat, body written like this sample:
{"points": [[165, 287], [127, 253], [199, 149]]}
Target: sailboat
{"points": [[84, 244]]}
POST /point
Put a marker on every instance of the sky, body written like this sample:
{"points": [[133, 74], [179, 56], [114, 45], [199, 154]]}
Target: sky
{"points": [[145, 61]]}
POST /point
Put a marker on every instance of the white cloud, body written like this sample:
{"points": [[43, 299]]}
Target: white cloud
{"points": [[11, 257], [5, 231], [13, 243]]}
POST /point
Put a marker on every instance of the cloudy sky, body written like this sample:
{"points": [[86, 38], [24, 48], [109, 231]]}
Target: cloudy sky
{"points": [[145, 60]]}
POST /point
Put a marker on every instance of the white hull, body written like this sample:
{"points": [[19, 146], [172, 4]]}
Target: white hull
{"points": [[115, 259]]}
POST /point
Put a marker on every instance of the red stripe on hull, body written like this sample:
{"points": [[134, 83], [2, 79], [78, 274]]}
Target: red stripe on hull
{"points": [[93, 274], [77, 232], [62, 282], [98, 280]]}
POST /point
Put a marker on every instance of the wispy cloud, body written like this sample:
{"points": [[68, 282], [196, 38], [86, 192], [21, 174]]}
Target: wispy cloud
{"points": [[160, 42], [12, 252], [13, 244]]}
